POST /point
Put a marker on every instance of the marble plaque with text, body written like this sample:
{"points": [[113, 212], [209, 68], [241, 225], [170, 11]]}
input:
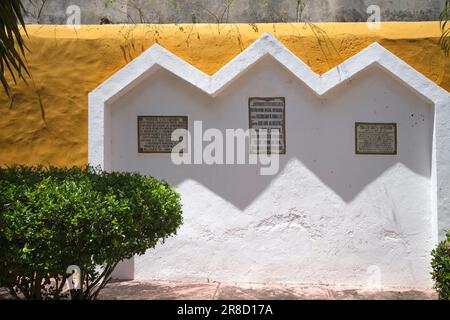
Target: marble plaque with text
{"points": [[155, 132], [269, 114], [376, 138]]}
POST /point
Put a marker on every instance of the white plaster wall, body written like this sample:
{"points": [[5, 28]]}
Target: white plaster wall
{"points": [[329, 216]]}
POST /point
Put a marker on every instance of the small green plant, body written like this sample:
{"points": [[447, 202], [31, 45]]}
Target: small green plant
{"points": [[441, 268], [53, 218]]}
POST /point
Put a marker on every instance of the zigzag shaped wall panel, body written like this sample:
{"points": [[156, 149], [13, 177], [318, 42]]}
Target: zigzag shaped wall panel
{"points": [[328, 215]]}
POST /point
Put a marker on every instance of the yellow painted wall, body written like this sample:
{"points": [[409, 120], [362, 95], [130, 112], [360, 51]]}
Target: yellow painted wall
{"points": [[67, 64]]}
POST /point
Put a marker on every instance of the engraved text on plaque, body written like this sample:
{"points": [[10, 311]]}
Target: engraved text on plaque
{"points": [[269, 114], [376, 138], [155, 133]]}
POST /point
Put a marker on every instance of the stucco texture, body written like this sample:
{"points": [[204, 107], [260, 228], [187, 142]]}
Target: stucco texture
{"points": [[46, 121]]}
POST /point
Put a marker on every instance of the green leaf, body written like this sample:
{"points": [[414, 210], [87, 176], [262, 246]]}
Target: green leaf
{"points": [[445, 38], [11, 21]]}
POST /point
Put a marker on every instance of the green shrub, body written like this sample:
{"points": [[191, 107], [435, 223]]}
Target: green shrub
{"points": [[441, 268], [52, 218]]}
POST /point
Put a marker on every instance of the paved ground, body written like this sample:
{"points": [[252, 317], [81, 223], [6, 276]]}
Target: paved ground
{"points": [[161, 290], [154, 290]]}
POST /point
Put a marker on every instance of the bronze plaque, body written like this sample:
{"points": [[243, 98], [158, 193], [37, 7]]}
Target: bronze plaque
{"points": [[376, 138], [155, 133], [269, 114]]}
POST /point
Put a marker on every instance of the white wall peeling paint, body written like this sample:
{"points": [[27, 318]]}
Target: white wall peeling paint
{"points": [[329, 216]]}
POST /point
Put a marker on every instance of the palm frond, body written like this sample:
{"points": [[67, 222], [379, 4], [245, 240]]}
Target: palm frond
{"points": [[12, 45], [445, 38]]}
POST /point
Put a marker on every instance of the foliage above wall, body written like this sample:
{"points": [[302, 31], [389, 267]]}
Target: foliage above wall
{"points": [[445, 38], [12, 46]]}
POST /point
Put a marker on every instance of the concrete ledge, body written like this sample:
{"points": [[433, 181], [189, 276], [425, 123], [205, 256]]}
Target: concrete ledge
{"points": [[162, 290]]}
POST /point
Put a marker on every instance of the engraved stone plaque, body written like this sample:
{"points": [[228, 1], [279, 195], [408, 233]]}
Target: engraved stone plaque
{"points": [[269, 114], [155, 132], [376, 138]]}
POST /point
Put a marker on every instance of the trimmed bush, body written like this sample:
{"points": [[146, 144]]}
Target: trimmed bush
{"points": [[53, 218], [441, 268]]}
